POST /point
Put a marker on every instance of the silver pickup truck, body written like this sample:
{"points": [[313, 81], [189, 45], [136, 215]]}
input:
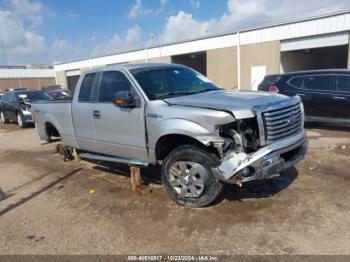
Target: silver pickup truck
{"points": [[170, 115]]}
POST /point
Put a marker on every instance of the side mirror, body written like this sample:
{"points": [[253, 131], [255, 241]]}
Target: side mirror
{"points": [[125, 100]]}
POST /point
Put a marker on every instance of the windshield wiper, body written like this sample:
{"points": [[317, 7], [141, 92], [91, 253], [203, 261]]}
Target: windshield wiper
{"points": [[172, 94], [204, 90]]}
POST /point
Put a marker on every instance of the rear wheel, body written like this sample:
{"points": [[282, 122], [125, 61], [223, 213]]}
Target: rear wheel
{"points": [[188, 178], [3, 118]]}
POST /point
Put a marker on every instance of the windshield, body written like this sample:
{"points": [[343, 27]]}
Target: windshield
{"points": [[163, 82], [32, 96]]}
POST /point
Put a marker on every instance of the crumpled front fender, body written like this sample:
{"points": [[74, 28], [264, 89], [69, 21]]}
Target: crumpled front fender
{"points": [[267, 162]]}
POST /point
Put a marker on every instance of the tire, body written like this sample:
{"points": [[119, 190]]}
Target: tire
{"points": [[20, 120], [3, 119], [188, 178]]}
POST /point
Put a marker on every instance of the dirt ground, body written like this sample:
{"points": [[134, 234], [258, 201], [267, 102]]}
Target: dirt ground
{"points": [[46, 206]]}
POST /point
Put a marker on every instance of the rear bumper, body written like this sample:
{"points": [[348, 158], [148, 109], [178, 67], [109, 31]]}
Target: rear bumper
{"points": [[265, 163]]}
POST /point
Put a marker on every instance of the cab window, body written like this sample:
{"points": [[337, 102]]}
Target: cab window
{"points": [[111, 83]]}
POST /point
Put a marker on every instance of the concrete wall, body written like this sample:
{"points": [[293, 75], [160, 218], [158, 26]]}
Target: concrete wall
{"points": [[222, 66], [267, 53], [138, 61], [61, 78], [164, 59], [82, 70], [31, 83]]}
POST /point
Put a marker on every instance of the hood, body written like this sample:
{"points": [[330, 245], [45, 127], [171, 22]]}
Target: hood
{"points": [[240, 103]]}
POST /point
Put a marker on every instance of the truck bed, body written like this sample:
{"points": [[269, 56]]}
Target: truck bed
{"points": [[57, 114]]}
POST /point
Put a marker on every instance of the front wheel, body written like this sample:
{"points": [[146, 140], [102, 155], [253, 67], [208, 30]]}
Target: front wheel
{"points": [[188, 178], [20, 120]]}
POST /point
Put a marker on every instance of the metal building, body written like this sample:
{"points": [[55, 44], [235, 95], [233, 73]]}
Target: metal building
{"points": [[33, 77], [241, 59]]}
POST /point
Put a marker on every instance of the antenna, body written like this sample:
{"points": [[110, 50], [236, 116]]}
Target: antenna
{"points": [[158, 43], [62, 53]]}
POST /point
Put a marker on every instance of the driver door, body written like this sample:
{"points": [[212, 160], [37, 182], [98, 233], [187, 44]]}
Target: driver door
{"points": [[119, 131], [9, 106]]}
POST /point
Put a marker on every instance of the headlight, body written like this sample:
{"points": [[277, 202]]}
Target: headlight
{"points": [[218, 129], [26, 108]]}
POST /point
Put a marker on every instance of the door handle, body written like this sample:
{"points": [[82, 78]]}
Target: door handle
{"points": [[96, 114], [339, 97]]}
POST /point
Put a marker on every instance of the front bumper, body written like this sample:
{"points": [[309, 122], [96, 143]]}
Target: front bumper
{"points": [[27, 115], [265, 163]]}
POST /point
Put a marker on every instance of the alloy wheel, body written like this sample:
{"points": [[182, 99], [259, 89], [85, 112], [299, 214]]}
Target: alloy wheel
{"points": [[2, 117], [19, 120], [187, 178]]}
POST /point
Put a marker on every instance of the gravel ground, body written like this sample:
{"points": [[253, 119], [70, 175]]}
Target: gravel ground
{"points": [[46, 206]]}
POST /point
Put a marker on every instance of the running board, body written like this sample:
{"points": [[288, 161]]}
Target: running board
{"points": [[113, 159]]}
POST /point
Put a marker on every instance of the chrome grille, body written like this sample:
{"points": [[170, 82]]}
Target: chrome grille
{"points": [[282, 122]]}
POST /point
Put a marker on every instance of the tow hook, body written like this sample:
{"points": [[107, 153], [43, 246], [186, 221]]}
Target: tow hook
{"points": [[244, 173], [237, 181]]}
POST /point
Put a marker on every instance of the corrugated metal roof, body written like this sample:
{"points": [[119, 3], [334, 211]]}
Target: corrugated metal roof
{"points": [[26, 73]]}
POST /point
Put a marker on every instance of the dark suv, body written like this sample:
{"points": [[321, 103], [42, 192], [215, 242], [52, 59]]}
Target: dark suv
{"points": [[325, 93], [15, 105]]}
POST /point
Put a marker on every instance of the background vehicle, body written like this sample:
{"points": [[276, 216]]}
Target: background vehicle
{"points": [[15, 89], [57, 92], [52, 87], [325, 93], [168, 114], [15, 105]]}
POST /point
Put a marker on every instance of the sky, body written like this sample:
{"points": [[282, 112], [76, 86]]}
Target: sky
{"points": [[51, 31]]}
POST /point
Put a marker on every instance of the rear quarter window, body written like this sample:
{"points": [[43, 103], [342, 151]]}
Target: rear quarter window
{"points": [[86, 88], [295, 82], [272, 79], [343, 83]]}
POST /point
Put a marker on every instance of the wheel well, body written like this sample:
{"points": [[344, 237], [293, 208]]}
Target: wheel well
{"points": [[51, 130], [168, 143]]}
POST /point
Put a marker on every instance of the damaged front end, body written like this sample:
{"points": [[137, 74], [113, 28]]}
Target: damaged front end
{"points": [[262, 147]]}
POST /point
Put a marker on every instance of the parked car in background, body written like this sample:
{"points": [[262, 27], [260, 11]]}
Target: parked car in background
{"points": [[15, 88], [57, 92], [15, 105], [325, 93], [170, 115], [51, 87]]}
